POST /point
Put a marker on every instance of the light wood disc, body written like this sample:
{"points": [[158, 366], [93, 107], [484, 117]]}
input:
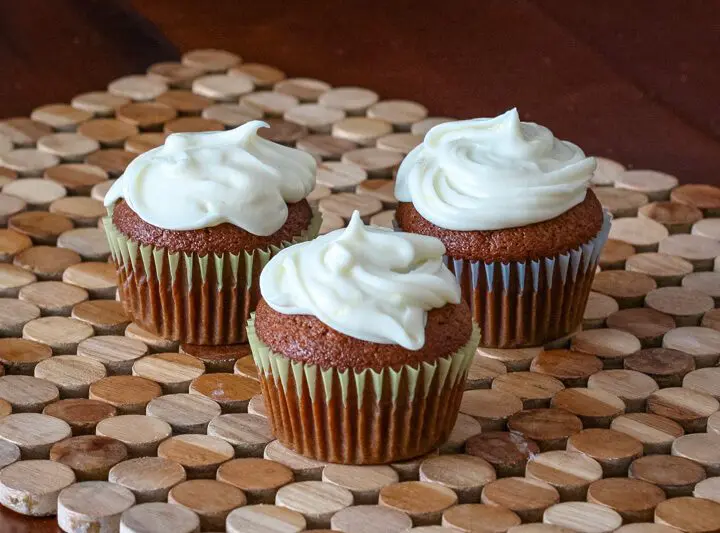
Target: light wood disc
{"points": [[612, 449], [173, 371], [656, 433], [627, 288], [677, 218], [665, 269], [149, 478], [118, 354], [702, 343], [27, 394], [186, 413], [210, 59], [93, 505], [139, 433], [265, 519], [304, 468], [77, 178], [98, 278], [361, 130], [137, 87], [569, 472], [71, 374], [583, 517], [621, 202], [248, 434], [261, 75], [158, 517], [32, 487], [490, 407], [200, 455], [33, 433], [99, 103], [704, 197], [129, 394], [700, 251], [611, 346]]}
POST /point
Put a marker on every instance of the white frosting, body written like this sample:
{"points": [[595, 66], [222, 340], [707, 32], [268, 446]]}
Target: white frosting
{"points": [[493, 173], [366, 282], [198, 180]]}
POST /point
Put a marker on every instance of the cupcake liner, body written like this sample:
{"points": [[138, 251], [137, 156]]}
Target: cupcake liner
{"points": [[361, 417], [191, 298], [530, 303]]}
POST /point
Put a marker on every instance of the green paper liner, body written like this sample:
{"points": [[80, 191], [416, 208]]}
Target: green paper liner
{"points": [[187, 297], [362, 417]]}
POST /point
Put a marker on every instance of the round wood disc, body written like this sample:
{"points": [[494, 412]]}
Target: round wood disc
{"points": [[186, 103], [665, 269], [71, 374], [47, 262], [282, 131], [14, 314], [711, 319], [677, 218], [118, 354], [627, 288], [421, 127], [107, 317], [656, 433], [265, 519], [200, 455], [364, 482], [599, 307], [90, 456], [634, 499], [643, 234], [270, 103], [594, 407], [533, 389], [704, 197], [260, 74], [705, 282], [68, 146], [400, 113], [81, 210], [572, 368], [93, 505], [525, 496], [370, 519], [54, 298], [331, 222], [514, 359], [383, 190], [685, 305], [704, 380], [466, 517], [490, 407], [129, 394], [19, 356], [260, 479], [304, 468], [667, 367], [232, 392], [137, 87], [111, 160], [703, 448], [10, 207], [352, 100], [340, 177], [33, 433], [583, 516], [384, 219], [139, 433], [81, 414], [409, 470], [149, 478], [12, 278], [376, 162], [61, 117], [248, 434], [606, 172], [256, 406], [158, 517], [483, 370], [569, 472], [217, 358], [245, 366], [23, 131], [222, 87], [210, 59], [99, 103], [423, 502], [677, 476], [38, 193], [702, 343], [173, 371], [90, 243], [304, 89], [709, 227], [611, 346], [700, 251], [657, 185], [615, 253], [77, 178], [211, 500], [630, 386], [11, 244], [689, 514], [186, 413], [152, 341], [361, 130], [687, 407], [32, 487], [708, 489], [508, 452], [143, 142], [621, 202], [399, 142], [612, 449], [315, 500], [325, 146], [647, 325], [466, 475], [549, 428], [146, 116], [27, 394], [110, 132], [316, 118]]}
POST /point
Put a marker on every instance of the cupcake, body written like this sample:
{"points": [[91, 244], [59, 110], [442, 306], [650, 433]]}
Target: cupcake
{"points": [[523, 232], [363, 345], [192, 223]]}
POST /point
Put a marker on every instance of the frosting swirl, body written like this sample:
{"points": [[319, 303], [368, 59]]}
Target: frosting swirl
{"points": [[197, 180], [493, 173], [366, 282]]}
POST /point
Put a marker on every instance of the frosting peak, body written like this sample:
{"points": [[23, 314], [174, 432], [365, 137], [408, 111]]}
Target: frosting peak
{"points": [[197, 180], [493, 173], [366, 282]]}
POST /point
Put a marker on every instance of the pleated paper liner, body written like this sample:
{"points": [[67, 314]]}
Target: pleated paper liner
{"points": [[191, 298], [361, 417], [529, 303]]}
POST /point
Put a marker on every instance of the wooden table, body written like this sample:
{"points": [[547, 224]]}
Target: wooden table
{"points": [[637, 81]]}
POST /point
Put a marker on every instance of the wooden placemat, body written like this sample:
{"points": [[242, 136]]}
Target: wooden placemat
{"points": [[620, 425]]}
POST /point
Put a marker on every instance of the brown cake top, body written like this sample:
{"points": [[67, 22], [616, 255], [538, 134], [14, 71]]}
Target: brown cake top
{"points": [[544, 239], [215, 239], [307, 339]]}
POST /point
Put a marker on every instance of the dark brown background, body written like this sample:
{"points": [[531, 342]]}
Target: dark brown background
{"points": [[636, 80]]}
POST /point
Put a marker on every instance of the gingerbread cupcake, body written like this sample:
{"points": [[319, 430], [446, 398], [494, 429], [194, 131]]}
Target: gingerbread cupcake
{"points": [[192, 223], [363, 345], [523, 232]]}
